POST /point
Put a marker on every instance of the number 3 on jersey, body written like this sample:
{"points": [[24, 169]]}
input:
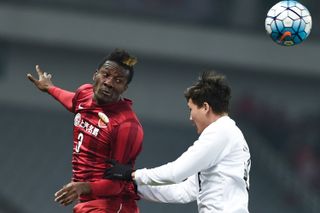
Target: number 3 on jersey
{"points": [[80, 139]]}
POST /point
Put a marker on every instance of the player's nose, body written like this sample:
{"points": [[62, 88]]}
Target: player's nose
{"points": [[108, 82]]}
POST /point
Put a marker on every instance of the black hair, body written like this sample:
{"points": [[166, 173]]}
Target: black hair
{"points": [[212, 88], [123, 59]]}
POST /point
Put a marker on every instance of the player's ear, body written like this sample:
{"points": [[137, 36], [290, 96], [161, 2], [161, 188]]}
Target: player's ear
{"points": [[94, 75], [127, 85], [206, 106]]}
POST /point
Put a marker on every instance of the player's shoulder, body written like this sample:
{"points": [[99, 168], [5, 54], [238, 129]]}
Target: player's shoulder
{"points": [[85, 87], [127, 117], [83, 91], [133, 124]]}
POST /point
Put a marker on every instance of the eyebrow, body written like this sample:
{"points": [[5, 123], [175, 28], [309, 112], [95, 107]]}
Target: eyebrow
{"points": [[120, 74]]}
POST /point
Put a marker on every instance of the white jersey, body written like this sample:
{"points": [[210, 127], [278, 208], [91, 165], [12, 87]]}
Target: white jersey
{"points": [[214, 171]]}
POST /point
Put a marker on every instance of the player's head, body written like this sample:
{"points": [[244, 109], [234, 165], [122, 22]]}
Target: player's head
{"points": [[123, 59], [113, 75], [209, 95]]}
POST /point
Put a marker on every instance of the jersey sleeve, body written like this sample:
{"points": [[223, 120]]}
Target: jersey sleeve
{"points": [[204, 153], [183, 192], [105, 187], [63, 96]]}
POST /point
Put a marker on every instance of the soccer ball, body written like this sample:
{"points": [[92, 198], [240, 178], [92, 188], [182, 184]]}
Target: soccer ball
{"points": [[288, 23]]}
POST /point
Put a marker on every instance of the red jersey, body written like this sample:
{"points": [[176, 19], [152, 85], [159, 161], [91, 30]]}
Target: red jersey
{"points": [[101, 132]]}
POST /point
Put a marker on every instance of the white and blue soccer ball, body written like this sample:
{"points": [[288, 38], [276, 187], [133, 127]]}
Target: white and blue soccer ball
{"points": [[288, 23]]}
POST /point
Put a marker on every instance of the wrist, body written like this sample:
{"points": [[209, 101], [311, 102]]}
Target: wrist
{"points": [[85, 188], [50, 89]]}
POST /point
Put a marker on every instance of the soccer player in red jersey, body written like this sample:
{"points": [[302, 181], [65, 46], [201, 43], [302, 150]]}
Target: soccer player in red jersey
{"points": [[105, 127]]}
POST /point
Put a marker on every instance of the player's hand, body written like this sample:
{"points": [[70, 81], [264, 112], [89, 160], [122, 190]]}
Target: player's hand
{"points": [[43, 82], [71, 192], [118, 171]]}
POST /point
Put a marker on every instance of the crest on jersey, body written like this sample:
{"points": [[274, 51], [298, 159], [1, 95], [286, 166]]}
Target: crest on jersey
{"points": [[77, 119], [103, 121]]}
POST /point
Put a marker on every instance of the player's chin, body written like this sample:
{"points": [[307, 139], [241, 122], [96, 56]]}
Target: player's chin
{"points": [[104, 98]]}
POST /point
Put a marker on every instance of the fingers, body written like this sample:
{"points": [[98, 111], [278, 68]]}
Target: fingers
{"points": [[61, 191], [42, 74], [60, 194], [59, 197], [47, 75], [65, 196], [39, 71], [43, 82], [31, 78]]}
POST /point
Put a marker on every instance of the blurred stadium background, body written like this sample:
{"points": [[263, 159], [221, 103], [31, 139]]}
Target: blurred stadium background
{"points": [[275, 91]]}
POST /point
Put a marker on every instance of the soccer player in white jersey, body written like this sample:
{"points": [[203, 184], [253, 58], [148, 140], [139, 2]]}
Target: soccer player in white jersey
{"points": [[214, 170]]}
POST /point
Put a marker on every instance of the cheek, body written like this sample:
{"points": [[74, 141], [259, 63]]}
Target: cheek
{"points": [[120, 89], [95, 86], [97, 81], [193, 117], [197, 119]]}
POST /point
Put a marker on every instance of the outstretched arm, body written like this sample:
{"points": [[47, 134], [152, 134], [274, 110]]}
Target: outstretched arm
{"points": [[183, 192], [44, 84], [189, 163]]}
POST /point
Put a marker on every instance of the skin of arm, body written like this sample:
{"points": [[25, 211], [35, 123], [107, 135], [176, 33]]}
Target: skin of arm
{"points": [[44, 84], [72, 191]]}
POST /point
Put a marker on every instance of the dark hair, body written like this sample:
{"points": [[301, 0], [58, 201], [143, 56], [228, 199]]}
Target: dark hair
{"points": [[122, 58], [211, 88]]}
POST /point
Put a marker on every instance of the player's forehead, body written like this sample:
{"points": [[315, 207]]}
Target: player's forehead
{"points": [[190, 103], [112, 67]]}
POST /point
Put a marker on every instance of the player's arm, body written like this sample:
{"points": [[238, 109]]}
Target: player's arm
{"points": [[104, 187], [73, 190], [125, 148], [44, 84], [183, 192], [204, 153]]}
